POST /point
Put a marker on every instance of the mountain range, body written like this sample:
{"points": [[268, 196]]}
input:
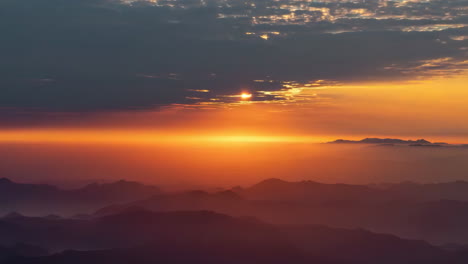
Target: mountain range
{"points": [[39, 199], [141, 236], [437, 213], [385, 141], [295, 222]]}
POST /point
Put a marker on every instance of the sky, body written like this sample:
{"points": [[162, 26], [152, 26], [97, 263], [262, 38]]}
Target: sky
{"points": [[185, 73]]}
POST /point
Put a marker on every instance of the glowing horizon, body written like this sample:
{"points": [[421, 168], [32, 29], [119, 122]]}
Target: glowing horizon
{"points": [[122, 136], [115, 136]]}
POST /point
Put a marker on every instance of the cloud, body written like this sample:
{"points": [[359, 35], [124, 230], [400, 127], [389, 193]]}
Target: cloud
{"points": [[97, 55]]}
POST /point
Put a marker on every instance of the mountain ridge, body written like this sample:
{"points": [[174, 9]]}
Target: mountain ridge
{"points": [[384, 141], [210, 237], [40, 199]]}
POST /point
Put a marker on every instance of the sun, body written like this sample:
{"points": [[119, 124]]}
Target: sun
{"points": [[246, 96]]}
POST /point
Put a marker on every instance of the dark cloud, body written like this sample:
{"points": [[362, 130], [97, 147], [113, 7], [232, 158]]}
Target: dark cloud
{"points": [[97, 55]]}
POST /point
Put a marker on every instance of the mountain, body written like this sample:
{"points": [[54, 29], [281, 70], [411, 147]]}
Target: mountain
{"points": [[435, 212], [364, 247], [126, 229], [383, 141], [153, 237], [224, 202], [40, 199], [310, 191], [208, 237], [315, 192], [416, 211]]}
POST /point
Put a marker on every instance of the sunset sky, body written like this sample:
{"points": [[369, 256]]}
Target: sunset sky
{"points": [[212, 73], [433, 108]]}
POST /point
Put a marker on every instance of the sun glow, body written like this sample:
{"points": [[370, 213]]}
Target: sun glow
{"points": [[246, 96], [139, 137]]}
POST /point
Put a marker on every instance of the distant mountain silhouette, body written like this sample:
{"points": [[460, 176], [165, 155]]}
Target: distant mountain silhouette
{"points": [[418, 211], [309, 191], [315, 192], [207, 237], [41, 199], [364, 247], [383, 141], [434, 212], [130, 228], [437, 213], [225, 201]]}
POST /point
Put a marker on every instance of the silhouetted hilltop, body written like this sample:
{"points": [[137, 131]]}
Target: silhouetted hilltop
{"points": [[382, 141], [13, 215], [40, 199], [13, 190]]}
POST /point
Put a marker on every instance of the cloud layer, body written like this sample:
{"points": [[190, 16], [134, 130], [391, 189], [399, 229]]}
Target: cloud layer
{"points": [[97, 55]]}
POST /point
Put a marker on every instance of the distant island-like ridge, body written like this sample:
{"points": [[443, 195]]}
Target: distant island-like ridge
{"points": [[390, 141]]}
